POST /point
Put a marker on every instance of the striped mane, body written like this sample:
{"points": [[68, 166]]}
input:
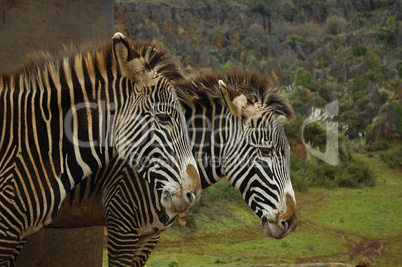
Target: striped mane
{"points": [[38, 61], [159, 60], [204, 88]]}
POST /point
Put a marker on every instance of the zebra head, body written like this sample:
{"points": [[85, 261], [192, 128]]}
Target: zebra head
{"points": [[257, 162], [155, 140]]}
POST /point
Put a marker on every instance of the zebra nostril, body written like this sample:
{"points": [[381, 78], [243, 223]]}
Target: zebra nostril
{"points": [[285, 225], [190, 197], [166, 194]]}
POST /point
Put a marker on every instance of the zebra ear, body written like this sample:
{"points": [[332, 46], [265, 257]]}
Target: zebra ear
{"points": [[238, 104], [131, 64], [234, 100]]}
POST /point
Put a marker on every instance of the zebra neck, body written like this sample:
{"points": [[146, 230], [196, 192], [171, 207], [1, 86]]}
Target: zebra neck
{"points": [[57, 120], [209, 132]]}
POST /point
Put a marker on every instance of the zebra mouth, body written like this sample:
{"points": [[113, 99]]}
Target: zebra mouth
{"points": [[177, 203], [277, 229]]}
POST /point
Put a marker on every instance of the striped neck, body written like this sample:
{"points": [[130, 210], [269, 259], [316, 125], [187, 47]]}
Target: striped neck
{"points": [[65, 109], [211, 130]]}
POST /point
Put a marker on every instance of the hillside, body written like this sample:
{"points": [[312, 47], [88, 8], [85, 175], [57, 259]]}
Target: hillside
{"points": [[319, 51]]}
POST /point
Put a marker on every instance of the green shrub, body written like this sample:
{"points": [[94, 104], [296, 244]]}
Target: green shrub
{"points": [[315, 134], [355, 173], [229, 66], [336, 24], [302, 78], [299, 173], [382, 145], [248, 42], [316, 173], [359, 50], [390, 21], [294, 98], [220, 261], [222, 191], [173, 263], [393, 157], [293, 127]]}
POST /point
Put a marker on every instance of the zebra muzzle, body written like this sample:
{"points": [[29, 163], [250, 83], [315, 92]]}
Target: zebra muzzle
{"points": [[282, 224], [279, 229], [177, 203]]}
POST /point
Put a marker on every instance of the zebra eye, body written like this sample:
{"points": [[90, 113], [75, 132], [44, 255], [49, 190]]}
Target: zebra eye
{"points": [[266, 151], [163, 118]]}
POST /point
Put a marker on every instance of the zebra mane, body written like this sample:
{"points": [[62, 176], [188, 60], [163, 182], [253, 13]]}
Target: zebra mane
{"points": [[159, 60], [38, 61], [204, 89]]}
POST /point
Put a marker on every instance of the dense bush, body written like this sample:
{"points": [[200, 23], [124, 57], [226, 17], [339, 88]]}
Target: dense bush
{"points": [[336, 24], [379, 146], [315, 134], [294, 98], [316, 173], [359, 50], [302, 78], [393, 157], [293, 127], [221, 191]]}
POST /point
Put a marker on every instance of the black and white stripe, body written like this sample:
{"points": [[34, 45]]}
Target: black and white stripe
{"points": [[65, 119], [245, 143]]}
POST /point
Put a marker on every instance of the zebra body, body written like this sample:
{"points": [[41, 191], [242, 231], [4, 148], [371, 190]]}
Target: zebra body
{"points": [[221, 127], [63, 120]]}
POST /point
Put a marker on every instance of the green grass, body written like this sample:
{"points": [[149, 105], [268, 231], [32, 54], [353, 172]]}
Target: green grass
{"points": [[337, 225], [333, 221]]}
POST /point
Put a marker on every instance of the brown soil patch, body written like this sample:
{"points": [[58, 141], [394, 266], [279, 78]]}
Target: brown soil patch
{"points": [[367, 248]]}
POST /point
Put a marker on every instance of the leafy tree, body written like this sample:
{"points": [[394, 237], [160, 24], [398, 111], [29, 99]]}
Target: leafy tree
{"points": [[302, 78], [229, 65], [390, 21]]}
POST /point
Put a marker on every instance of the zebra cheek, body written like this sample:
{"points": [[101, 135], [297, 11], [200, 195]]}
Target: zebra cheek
{"points": [[195, 179]]}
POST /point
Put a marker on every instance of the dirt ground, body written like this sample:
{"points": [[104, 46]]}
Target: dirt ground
{"points": [[367, 247]]}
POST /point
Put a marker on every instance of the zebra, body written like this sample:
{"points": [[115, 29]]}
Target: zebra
{"points": [[228, 115], [64, 119]]}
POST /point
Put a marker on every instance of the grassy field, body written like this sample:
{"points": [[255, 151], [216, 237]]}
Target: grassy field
{"points": [[340, 225]]}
